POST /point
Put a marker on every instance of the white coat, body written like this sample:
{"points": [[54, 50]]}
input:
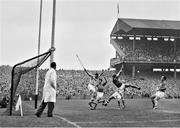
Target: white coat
{"points": [[49, 93]]}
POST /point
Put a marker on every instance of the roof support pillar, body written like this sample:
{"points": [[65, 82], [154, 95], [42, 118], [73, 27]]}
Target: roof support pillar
{"points": [[175, 48], [175, 73], [134, 67], [134, 45], [133, 71]]}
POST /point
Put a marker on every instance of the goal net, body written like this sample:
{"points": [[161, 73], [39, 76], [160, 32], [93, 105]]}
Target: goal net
{"points": [[22, 68]]}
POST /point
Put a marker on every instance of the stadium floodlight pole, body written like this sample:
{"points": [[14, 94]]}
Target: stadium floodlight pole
{"points": [[53, 30], [37, 71]]}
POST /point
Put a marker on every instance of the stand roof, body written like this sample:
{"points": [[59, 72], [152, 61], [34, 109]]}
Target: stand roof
{"points": [[146, 27]]}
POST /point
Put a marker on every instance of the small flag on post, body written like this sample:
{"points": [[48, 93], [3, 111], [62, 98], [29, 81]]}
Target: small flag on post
{"points": [[117, 10], [19, 105]]}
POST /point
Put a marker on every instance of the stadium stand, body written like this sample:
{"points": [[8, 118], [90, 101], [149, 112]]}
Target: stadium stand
{"points": [[73, 84], [144, 45]]}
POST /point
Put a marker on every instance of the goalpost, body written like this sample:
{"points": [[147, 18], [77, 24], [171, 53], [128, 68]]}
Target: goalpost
{"points": [[24, 67], [52, 43]]}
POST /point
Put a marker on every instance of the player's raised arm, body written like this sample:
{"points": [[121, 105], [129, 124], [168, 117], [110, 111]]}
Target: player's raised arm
{"points": [[105, 81], [132, 86], [119, 73]]}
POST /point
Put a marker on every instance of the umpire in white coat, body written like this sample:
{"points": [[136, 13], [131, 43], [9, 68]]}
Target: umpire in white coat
{"points": [[49, 92]]}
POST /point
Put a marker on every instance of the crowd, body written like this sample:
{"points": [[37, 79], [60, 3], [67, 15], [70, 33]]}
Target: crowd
{"points": [[149, 51], [73, 83]]}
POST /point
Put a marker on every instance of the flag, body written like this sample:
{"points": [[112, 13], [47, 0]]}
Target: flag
{"points": [[117, 9], [19, 105]]}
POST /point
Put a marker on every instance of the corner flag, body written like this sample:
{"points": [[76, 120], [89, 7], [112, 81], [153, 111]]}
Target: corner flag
{"points": [[19, 105]]}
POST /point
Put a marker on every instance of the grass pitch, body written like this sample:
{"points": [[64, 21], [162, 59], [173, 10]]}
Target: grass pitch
{"points": [[76, 113]]}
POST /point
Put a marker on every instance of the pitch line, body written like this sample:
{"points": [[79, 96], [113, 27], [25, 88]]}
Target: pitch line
{"points": [[68, 121], [168, 111], [109, 122]]}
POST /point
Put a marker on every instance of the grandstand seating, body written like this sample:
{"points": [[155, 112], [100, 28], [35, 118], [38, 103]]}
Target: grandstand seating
{"points": [[148, 50]]}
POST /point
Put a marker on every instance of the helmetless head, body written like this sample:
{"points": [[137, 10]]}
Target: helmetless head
{"points": [[163, 78], [96, 75], [53, 65]]}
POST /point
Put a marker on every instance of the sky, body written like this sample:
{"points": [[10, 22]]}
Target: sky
{"points": [[82, 27]]}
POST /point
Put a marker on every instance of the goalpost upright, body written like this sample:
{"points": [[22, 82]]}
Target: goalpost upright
{"points": [[37, 72], [53, 30], [52, 44]]}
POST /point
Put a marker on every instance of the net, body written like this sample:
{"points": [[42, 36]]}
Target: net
{"points": [[24, 67]]}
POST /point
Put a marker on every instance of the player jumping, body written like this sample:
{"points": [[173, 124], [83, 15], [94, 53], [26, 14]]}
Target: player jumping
{"points": [[160, 92], [121, 87], [100, 93], [94, 80]]}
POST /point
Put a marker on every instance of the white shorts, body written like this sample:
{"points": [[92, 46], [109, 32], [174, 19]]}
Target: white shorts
{"points": [[99, 95], [160, 94], [117, 95], [91, 88]]}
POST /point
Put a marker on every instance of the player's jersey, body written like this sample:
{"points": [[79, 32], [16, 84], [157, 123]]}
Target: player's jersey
{"points": [[119, 93], [93, 82], [122, 88], [100, 88], [117, 83], [162, 87]]}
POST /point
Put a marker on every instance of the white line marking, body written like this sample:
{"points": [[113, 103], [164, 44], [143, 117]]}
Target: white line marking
{"points": [[169, 111], [68, 121], [109, 122], [116, 108]]}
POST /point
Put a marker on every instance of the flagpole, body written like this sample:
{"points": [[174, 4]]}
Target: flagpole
{"points": [[19, 105], [117, 10], [53, 30], [37, 71]]}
